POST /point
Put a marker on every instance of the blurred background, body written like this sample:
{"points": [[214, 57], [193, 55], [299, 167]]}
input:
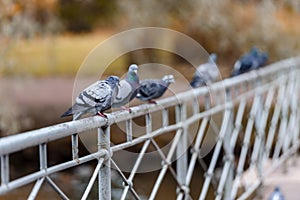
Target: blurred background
{"points": [[43, 44]]}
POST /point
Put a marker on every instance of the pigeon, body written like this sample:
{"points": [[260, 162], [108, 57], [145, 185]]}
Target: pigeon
{"points": [[128, 87], [206, 73], [95, 99], [250, 61], [276, 194], [154, 88]]}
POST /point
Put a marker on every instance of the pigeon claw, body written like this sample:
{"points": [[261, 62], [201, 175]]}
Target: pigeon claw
{"points": [[152, 101], [102, 114], [126, 108]]}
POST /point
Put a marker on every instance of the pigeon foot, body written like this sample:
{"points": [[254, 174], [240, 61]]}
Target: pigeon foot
{"points": [[152, 102], [102, 114], [126, 108]]}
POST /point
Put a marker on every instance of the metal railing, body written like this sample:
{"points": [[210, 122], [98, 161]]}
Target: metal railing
{"points": [[258, 132]]}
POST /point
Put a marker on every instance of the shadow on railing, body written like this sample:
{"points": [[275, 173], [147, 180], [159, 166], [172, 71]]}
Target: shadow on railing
{"points": [[248, 127]]}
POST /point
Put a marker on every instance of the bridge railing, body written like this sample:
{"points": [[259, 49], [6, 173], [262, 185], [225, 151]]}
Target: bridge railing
{"points": [[248, 125]]}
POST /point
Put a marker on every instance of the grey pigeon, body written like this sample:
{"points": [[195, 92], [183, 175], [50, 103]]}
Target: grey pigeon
{"points": [[128, 87], [154, 88], [276, 194], [95, 99], [206, 73], [250, 61]]}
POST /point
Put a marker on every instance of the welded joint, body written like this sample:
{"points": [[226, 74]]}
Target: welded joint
{"points": [[208, 174], [193, 150], [127, 184], [228, 158], [108, 121], [238, 126], [254, 161], [239, 172], [252, 116], [221, 139], [165, 163], [219, 193], [246, 145], [259, 134], [266, 108], [183, 189], [108, 154]]}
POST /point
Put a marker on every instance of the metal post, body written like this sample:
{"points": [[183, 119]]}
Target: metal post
{"points": [[104, 173], [182, 157], [129, 130], [230, 150], [74, 139], [4, 169], [43, 155], [43, 166]]}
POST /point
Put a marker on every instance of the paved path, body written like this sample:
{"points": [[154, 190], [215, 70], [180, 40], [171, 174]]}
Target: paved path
{"points": [[289, 182]]}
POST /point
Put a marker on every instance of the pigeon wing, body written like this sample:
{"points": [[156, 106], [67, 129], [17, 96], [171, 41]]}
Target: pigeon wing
{"points": [[94, 96], [124, 93], [149, 89]]}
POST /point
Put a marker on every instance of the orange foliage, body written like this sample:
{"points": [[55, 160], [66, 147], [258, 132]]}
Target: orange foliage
{"points": [[288, 21]]}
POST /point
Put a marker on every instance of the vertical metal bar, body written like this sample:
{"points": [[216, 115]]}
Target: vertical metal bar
{"points": [[167, 162], [139, 159], [258, 120], [230, 153], [181, 153], [195, 106], [274, 121], [129, 130], [43, 155], [227, 173], [296, 112], [4, 169], [215, 156], [74, 139], [165, 117], [105, 171], [148, 123], [92, 180], [195, 154], [245, 147], [43, 166], [134, 169], [282, 130], [261, 127], [292, 116]]}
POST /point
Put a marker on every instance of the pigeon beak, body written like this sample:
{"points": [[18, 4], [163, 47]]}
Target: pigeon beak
{"points": [[135, 71]]}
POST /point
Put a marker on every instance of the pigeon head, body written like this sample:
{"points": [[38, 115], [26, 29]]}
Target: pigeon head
{"points": [[132, 73], [277, 189], [254, 51], [133, 68], [168, 79], [113, 81], [212, 57], [198, 82]]}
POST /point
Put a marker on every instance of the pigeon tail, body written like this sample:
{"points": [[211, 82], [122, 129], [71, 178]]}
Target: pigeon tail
{"points": [[69, 112]]}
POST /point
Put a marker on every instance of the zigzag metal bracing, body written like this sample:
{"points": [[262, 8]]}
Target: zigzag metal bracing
{"points": [[258, 131]]}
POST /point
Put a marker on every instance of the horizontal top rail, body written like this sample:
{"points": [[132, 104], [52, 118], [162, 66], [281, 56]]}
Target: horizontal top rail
{"points": [[24, 140]]}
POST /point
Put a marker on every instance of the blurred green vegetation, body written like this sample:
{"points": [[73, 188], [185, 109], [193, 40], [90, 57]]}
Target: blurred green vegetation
{"points": [[83, 16], [36, 39], [57, 55]]}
